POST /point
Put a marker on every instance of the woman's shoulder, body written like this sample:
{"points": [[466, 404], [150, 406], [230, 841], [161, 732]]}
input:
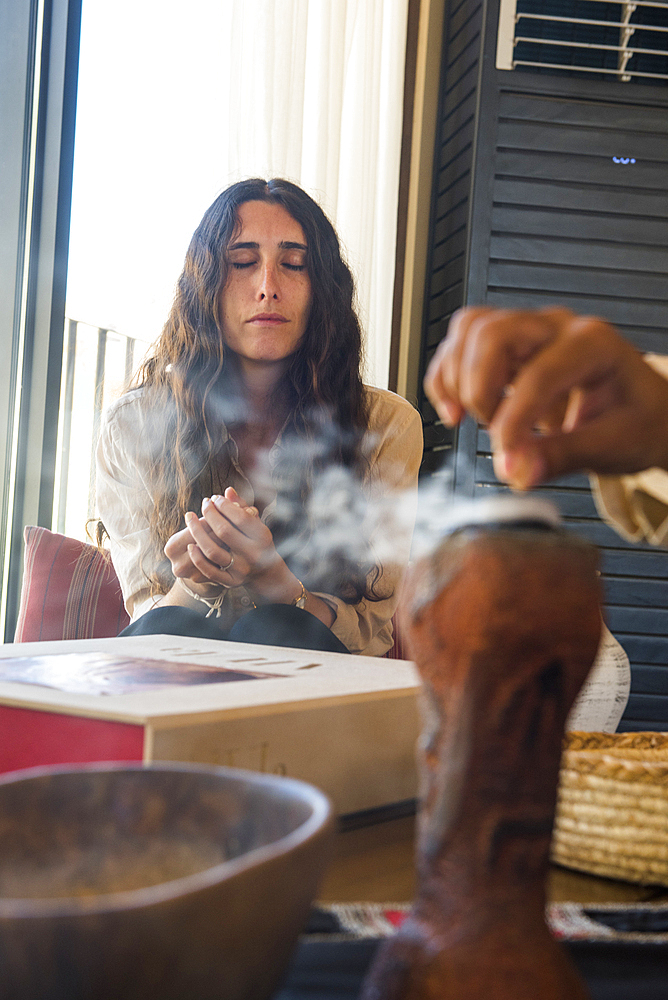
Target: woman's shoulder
{"points": [[386, 407], [394, 439], [124, 423], [127, 407], [127, 433]]}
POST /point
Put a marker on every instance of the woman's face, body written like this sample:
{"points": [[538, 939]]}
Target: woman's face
{"points": [[264, 305]]}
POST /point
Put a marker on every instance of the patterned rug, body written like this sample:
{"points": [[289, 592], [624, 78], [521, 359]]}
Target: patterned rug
{"points": [[612, 922]]}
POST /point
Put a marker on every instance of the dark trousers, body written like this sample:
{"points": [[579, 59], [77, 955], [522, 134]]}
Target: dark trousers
{"points": [[270, 625]]}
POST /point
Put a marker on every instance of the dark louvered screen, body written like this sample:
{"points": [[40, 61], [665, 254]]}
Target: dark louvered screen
{"points": [[573, 221], [565, 201]]}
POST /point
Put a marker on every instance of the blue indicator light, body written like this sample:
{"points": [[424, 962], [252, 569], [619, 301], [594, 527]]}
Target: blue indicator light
{"points": [[623, 159]]}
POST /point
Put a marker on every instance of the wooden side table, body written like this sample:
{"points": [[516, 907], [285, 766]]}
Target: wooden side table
{"points": [[375, 864]]}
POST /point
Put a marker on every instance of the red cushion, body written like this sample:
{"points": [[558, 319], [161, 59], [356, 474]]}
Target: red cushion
{"points": [[397, 650], [70, 590]]}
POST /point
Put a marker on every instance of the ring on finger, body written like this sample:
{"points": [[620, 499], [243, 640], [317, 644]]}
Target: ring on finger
{"points": [[229, 566]]}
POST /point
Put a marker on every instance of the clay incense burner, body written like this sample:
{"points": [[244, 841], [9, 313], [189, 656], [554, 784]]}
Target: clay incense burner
{"points": [[503, 621]]}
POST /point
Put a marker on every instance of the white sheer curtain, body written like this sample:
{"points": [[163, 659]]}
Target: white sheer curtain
{"points": [[177, 100], [323, 106]]}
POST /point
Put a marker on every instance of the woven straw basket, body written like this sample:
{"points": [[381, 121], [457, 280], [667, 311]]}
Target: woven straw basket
{"points": [[612, 807]]}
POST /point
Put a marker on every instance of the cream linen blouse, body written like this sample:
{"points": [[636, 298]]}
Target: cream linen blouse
{"points": [[394, 441]]}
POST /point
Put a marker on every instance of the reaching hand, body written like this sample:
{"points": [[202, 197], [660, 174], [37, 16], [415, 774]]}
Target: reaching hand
{"points": [[560, 393]]}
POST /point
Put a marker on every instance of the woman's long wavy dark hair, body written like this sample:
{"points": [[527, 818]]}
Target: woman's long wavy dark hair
{"points": [[188, 389]]}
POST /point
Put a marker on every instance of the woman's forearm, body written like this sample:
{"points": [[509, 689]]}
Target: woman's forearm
{"points": [[276, 586], [279, 585]]}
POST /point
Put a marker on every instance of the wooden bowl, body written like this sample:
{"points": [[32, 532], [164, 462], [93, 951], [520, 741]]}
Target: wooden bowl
{"points": [[170, 881]]}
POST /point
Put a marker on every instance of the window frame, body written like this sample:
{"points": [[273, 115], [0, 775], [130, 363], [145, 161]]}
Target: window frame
{"points": [[39, 48]]}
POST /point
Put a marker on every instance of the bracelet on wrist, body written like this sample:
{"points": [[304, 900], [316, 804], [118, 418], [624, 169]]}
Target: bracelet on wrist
{"points": [[300, 600], [214, 605]]}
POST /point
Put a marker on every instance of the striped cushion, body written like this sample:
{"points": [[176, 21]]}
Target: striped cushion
{"points": [[397, 650], [70, 590]]}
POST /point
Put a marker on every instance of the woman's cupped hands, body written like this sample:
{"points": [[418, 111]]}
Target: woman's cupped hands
{"points": [[227, 546]]}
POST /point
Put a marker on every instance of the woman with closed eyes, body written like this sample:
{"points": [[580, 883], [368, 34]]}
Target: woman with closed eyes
{"points": [[236, 479]]}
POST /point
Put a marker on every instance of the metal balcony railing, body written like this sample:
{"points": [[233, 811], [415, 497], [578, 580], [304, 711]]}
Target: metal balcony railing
{"points": [[627, 41], [97, 365]]}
